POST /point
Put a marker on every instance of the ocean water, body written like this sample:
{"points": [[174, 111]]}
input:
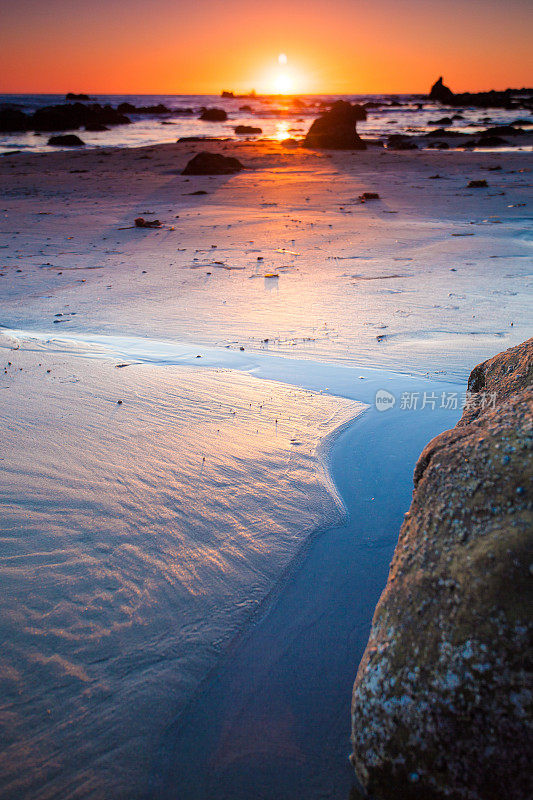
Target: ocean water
{"points": [[279, 118]]}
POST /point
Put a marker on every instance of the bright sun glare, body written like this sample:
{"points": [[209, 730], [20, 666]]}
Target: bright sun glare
{"points": [[282, 80], [283, 83]]}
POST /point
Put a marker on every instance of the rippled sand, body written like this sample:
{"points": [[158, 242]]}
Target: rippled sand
{"points": [[136, 540]]}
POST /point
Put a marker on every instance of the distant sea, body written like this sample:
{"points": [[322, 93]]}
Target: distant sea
{"points": [[279, 117]]}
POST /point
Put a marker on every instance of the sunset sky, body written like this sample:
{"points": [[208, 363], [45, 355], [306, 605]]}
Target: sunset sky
{"points": [[344, 46]]}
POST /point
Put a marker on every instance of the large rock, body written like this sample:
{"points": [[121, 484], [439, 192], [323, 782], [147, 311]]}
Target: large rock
{"points": [[440, 92], [66, 140], [336, 128], [443, 697], [212, 164]]}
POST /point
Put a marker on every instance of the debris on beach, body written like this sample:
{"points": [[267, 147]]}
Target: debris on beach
{"points": [[368, 196], [141, 222], [479, 184]]}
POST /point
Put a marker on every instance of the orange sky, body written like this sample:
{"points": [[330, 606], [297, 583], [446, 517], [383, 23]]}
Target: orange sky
{"points": [[346, 46]]}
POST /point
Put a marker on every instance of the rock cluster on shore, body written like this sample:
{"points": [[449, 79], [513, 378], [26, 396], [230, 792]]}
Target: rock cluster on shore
{"points": [[336, 129], [442, 701]]}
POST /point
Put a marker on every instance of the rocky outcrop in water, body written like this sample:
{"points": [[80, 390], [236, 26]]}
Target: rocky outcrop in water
{"points": [[442, 701], [336, 128], [440, 92], [247, 129], [213, 115], [509, 98], [153, 110], [61, 117]]}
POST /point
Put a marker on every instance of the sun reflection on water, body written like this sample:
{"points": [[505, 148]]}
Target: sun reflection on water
{"points": [[282, 131]]}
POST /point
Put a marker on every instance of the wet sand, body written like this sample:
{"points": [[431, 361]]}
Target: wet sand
{"points": [[155, 549]]}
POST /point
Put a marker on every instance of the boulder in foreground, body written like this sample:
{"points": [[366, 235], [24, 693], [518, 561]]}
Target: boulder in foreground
{"points": [[336, 128], [442, 701], [212, 164]]}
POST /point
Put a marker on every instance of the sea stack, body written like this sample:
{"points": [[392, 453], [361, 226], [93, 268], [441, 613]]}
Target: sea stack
{"points": [[336, 128], [440, 92], [443, 697]]}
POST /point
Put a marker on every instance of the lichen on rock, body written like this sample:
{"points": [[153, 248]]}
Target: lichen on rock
{"points": [[443, 696]]}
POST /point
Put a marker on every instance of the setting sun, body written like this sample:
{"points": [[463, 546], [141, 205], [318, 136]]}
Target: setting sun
{"points": [[283, 83], [284, 79]]}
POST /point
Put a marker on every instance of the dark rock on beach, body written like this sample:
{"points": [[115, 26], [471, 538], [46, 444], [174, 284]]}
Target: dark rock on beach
{"points": [[74, 96], [212, 164], [199, 139], [442, 702], [66, 140], [336, 128], [213, 115]]}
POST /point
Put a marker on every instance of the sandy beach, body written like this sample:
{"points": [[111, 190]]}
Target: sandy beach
{"points": [[188, 412]]}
